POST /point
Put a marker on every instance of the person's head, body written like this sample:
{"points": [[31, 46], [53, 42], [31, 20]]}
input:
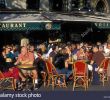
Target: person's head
{"points": [[31, 48], [78, 46], [42, 47], [73, 46], [8, 49], [39, 52], [24, 50], [95, 48], [15, 48], [3, 52], [98, 43], [53, 47], [81, 49], [64, 50], [101, 48]]}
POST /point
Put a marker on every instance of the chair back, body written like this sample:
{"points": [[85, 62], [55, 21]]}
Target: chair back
{"points": [[1, 75], [104, 64], [50, 67], [80, 68]]}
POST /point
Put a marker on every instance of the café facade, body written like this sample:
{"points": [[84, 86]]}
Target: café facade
{"points": [[49, 19]]}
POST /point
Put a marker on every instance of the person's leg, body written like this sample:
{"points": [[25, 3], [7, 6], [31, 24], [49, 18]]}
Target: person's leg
{"points": [[35, 77], [22, 75], [58, 71], [68, 73], [16, 76], [95, 75], [16, 73]]}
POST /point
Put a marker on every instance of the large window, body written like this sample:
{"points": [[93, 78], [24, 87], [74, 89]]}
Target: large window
{"points": [[87, 4], [101, 7], [56, 5], [19, 4], [81, 4], [2, 4], [33, 4], [75, 3]]}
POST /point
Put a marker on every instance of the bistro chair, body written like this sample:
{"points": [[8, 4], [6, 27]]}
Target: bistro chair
{"points": [[103, 70], [80, 75], [54, 78], [6, 82]]}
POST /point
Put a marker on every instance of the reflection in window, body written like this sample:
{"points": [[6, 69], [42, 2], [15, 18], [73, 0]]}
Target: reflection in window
{"points": [[87, 3], [100, 6], [33, 4], [56, 5], [82, 4], [75, 3], [2, 4]]}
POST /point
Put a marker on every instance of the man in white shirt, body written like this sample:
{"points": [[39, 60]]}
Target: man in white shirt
{"points": [[106, 49]]}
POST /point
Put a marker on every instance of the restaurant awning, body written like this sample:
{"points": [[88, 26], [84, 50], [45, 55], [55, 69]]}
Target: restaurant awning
{"points": [[100, 22], [24, 22]]}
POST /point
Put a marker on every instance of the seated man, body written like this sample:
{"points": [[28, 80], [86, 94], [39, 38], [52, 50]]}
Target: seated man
{"points": [[98, 57], [40, 66], [25, 62]]}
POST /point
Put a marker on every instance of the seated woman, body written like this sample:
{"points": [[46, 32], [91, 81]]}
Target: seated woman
{"points": [[7, 67], [61, 63], [81, 55], [25, 65]]}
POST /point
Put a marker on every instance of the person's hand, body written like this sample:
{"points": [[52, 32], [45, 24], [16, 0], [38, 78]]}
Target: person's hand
{"points": [[16, 63], [97, 69]]}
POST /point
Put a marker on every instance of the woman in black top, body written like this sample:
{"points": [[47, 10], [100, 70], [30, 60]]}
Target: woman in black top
{"points": [[61, 63]]}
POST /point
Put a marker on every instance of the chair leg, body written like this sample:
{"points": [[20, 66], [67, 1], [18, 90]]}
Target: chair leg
{"points": [[14, 83], [52, 83], [103, 79], [85, 85], [74, 84], [48, 82], [44, 75], [59, 83], [44, 81], [64, 84], [34, 83]]}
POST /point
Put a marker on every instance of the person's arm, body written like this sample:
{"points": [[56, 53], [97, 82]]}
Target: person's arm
{"points": [[92, 60], [18, 60], [66, 64]]}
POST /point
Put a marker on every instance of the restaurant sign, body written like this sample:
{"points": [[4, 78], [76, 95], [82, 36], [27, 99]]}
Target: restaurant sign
{"points": [[29, 26], [102, 25]]}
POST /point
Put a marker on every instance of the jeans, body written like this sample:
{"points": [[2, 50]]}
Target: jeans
{"points": [[96, 79], [65, 71]]}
